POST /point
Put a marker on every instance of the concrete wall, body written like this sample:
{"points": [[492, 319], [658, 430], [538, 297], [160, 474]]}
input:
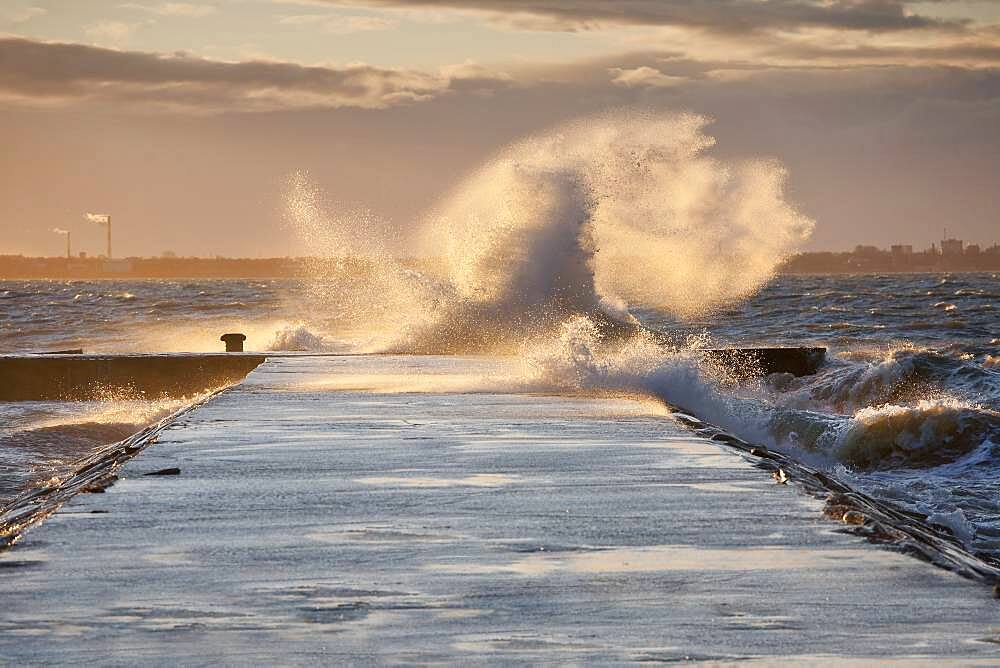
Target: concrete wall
{"points": [[78, 377]]}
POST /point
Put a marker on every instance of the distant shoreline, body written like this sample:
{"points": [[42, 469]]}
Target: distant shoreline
{"points": [[259, 277], [19, 267]]}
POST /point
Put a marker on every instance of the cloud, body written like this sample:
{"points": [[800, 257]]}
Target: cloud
{"points": [[23, 14], [303, 3], [980, 51], [110, 31], [643, 76], [340, 25], [50, 74], [771, 32], [185, 9], [738, 16], [34, 73]]}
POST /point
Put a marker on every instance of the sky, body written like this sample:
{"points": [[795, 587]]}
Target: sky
{"points": [[184, 120]]}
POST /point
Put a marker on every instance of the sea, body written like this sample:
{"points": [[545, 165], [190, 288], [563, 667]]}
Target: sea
{"points": [[606, 255], [906, 407]]}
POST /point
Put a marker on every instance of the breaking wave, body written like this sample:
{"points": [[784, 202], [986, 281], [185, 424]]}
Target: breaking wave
{"points": [[592, 218], [927, 433], [879, 414], [300, 338]]}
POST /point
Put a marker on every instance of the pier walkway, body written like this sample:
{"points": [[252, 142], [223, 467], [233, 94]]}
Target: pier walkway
{"points": [[377, 510]]}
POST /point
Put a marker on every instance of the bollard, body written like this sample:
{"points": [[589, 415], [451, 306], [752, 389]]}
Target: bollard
{"points": [[234, 342]]}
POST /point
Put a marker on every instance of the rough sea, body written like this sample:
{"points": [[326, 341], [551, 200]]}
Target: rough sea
{"points": [[906, 408]]}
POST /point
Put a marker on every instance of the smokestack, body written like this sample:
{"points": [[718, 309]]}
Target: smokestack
{"points": [[67, 235], [102, 219]]}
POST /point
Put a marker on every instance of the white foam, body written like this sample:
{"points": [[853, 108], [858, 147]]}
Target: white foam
{"points": [[299, 337]]}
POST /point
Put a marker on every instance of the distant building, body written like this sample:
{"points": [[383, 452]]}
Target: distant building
{"points": [[901, 250], [866, 250], [951, 247], [972, 249]]}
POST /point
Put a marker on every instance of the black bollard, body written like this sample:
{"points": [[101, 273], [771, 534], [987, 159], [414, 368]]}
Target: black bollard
{"points": [[234, 342]]}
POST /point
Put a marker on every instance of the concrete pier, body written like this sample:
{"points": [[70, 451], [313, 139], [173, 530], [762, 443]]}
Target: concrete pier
{"points": [[405, 510], [69, 376], [72, 375]]}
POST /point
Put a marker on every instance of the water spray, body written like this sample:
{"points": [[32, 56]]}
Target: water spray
{"points": [[594, 218]]}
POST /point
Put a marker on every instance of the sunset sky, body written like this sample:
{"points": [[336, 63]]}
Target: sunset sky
{"points": [[184, 119]]}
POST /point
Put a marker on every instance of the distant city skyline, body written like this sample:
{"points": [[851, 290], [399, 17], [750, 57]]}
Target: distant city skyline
{"points": [[95, 251], [91, 240], [900, 258]]}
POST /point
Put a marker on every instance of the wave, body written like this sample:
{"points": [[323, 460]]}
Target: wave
{"points": [[872, 434], [929, 433], [300, 338], [856, 379], [40, 440], [69, 437], [580, 358], [594, 218], [925, 434]]}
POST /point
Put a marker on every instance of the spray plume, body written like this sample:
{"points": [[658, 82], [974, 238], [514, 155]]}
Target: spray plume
{"points": [[590, 219]]}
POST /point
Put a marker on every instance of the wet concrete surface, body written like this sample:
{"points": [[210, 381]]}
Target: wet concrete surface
{"points": [[326, 510]]}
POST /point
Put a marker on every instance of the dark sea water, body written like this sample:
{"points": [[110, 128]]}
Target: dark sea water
{"points": [[907, 407]]}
